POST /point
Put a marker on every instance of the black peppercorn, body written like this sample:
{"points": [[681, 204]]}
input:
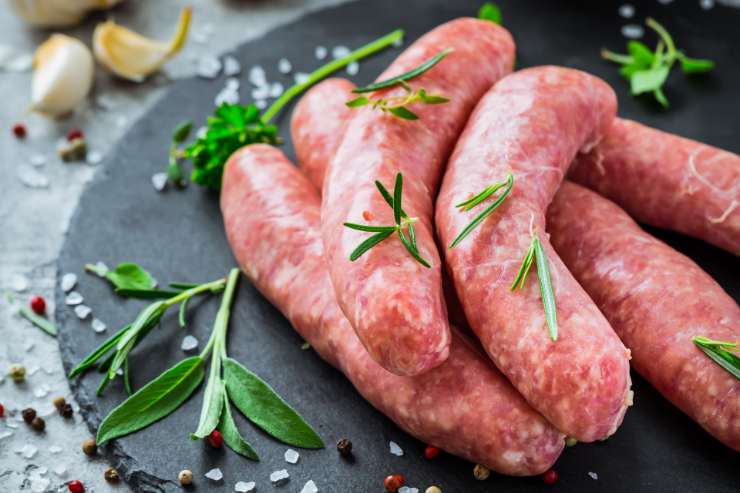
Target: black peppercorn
{"points": [[38, 424], [111, 475], [66, 411], [344, 447], [28, 415]]}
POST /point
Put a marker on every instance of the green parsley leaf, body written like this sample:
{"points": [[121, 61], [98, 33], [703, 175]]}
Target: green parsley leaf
{"points": [[490, 12], [649, 80], [694, 65]]}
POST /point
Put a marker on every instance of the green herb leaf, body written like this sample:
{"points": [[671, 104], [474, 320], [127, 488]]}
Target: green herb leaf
{"points": [[231, 434], [357, 102], [182, 285], [368, 244], [397, 196], [413, 250], [642, 56], [721, 352], [546, 291], [403, 113], [154, 401], [521, 276], [98, 353], [261, 405], [406, 76], [126, 275], [648, 80], [181, 132], [431, 99], [37, 320], [182, 312], [144, 322], [490, 12], [213, 403], [370, 229], [146, 294], [508, 185], [694, 65], [127, 378]]}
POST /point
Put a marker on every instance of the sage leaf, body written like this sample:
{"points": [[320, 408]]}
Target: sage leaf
{"points": [[213, 402], [263, 407], [130, 276], [154, 401], [231, 434]]}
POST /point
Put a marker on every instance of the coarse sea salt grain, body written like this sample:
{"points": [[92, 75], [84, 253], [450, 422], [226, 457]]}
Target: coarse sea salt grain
{"points": [[215, 474], [245, 487], [189, 343], [159, 181], [82, 311], [353, 68], [232, 66], [280, 477], [257, 76], [320, 52], [632, 31], [339, 51], [406, 489], [29, 451], [706, 4], [395, 449], [21, 63], [300, 77], [32, 178], [19, 283], [98, 325], [261, 92], [627, 11], [74, 298], [310, 487], [276, 89], [37, 160], [229, 95], [593, 475], [261, 104], [208, 67], [291, 456], [39, 485], [69, 281], [94, 157], [284, 66], [60, 470], [5, 434]]}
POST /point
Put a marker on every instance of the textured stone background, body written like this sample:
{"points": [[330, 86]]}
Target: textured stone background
{"points": [[33, 221]]}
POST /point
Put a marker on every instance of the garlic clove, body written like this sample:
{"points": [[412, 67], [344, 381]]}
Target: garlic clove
{"points": [[57, 13], [132, 56], [63, 75]]}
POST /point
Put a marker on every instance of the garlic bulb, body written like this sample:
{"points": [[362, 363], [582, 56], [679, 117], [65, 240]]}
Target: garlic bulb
{"points": [[132, 56], [63, 75], [58, 13]]}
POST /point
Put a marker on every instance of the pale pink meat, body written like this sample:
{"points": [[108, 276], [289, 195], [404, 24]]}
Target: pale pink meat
{"points": [[396, 304], [464, 406], [532, 124], [667, 181], [657, 300]]}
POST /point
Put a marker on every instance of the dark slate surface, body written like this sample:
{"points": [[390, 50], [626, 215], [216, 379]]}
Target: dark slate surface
{"points": [[179, 236]]}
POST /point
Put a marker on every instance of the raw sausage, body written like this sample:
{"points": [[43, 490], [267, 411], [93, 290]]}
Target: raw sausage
{"points": [[667, 181], [465, 406], [395, 303], [532, 124], [657, 300]]}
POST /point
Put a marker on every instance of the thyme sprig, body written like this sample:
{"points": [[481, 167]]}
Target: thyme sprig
{"points": [[402, 222], [472, 202], [536, 254], [724, 353], [406, 76], [398, 105]]}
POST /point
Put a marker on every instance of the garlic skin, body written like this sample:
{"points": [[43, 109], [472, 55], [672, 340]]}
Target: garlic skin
{"points": [[63, 75], [132, 56], [57, 13]]}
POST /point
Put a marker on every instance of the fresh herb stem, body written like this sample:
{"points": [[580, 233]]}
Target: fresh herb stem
{"points": [[330, 68], [37, 320], [723, 353], [221, 324], [406, 76]]}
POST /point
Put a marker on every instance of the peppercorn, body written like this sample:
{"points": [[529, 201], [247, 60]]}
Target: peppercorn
{"points": [[431, 452], [393, 482], [89, 447], [550, 477], [481, 472], [59, 402], [75, 150], [215, 439], [111, 475], [433, 489], [38, 305], [2, 411], [74, 133], [19, 130], [344, 447], [185, 477], [28, 415], [38, 424], [570, 441], [75, 487], [66, 411], [17, 373]]}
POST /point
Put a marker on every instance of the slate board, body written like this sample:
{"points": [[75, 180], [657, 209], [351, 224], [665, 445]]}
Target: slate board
{"points": [[179, 237]]}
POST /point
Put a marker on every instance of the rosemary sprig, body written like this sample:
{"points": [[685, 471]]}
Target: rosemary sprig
{"points": [[721, 352], [398, 105], [536, 254], [401, 219], [406, 76], [477, 199]]}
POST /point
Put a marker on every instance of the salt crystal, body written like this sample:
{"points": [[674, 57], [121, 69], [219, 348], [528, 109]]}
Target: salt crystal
{"points": [[94, 157], [310, 487], [100, 269], [37, 160], [320, 52], [201, 132], [300, 77], [632, 31], [231, 66], [55, 449], [208, 67], [261, 92], [189, 343], [105, 102], [121, 121], [39, 485], [284, 66], [406, 489], [29, 451], [397, 43], [233, 83], [593, 475], [257, 76], [261, 104], [42, 471], [19, 283], [32, 178], [276, 89], [203, 34], [395, 449], [61, 471], [706, 4], [68, 282], [353, 68], [74, 298], [21, 63], [27, 347], [11, 425], [627, 11], [280, 477], [340, 51], [159, 181], [41, 392], [228, 95], [215, 474], [291, 456], [98, 325], [5, 434], [82, 311], [245, 487]]}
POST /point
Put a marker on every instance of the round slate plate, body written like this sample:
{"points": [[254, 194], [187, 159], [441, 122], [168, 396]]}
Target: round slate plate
{"points": [[178, 236]]}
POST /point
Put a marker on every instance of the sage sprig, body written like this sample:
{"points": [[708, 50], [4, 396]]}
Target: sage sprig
{"points": [[536, 254], [402, 222], [126, 276], [724, 353], [477, 199], [406, 76], [398, 105]]}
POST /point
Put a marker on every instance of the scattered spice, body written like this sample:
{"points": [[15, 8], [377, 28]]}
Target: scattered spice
{"points": [[67, 411], [431, 452], [481, 472], [59, 402], [19, 130], [17, 373], [76, 486], [185, 477], [2, 411], [111, 475], [74, 133], [344, 447], [570, 441], [433, 489], [215, 439], [550, 477], [89, 447], [38, 424], [75, 150], [38, 305], [28, 415], [393, 482]]}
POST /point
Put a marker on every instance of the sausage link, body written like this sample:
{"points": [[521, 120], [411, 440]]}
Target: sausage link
{"points": [[465, 406], [395, 303]]}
